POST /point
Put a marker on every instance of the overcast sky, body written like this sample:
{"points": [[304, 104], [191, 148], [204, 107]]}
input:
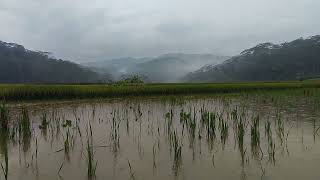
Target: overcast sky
{"points": [[85, 30]]}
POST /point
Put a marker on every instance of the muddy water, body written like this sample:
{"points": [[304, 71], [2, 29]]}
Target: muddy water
{"points": [[197, 138]]}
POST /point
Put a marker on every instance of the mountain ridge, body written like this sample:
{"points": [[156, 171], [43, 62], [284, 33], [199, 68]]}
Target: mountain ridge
{"points": [[170, 67], [21, 65], [266, 62]]}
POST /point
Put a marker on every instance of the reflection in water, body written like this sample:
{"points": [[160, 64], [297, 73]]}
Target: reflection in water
{"points": [[228, 138]]}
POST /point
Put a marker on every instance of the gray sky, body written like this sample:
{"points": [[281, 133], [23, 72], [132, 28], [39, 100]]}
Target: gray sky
{"points": [[83, 30]]}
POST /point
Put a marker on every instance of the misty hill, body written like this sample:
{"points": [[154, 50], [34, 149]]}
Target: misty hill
{"points": [[266, 62], [165, 68], [172, 67], [117, 67], [20, 65]]}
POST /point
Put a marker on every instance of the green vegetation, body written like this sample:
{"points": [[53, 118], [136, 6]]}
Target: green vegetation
{"points": [[38, 92]]}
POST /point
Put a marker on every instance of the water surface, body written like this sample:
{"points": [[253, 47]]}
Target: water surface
{"points": [[160, 138]]}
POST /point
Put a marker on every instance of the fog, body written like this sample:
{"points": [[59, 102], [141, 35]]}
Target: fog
{"points": [[85, 30]]}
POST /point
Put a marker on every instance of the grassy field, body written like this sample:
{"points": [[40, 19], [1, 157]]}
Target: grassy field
{"points": [[43, 92]]}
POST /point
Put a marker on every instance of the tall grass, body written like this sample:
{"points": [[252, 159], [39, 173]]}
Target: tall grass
{"points": [[37, 91]]}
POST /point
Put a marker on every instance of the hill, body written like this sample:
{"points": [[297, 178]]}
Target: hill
{"points": [[117, 67], [20, 65], [172, 67], [165, 68], [266, 62]]}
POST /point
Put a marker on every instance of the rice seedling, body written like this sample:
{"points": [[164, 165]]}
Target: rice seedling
{"points": [[67, 145], [224, 131], [4, 135], [240, 139], [131, 171], [212, 126], [184, 116], [44, 122], [280, 127], [60, 168], [67, 123], [192, 128], [169, 120], [190, 123], [24, 128], [127, 121], [271, 144], [68, 138], [44, 125], [36, 148], [24, 123], [234, 114], [4, 118], [255, 136], [205, 116], [92, 164], [208, 120], [5, 166], [115, 133], [212, 160], [220, 120], [154, 157], [177, 152]]}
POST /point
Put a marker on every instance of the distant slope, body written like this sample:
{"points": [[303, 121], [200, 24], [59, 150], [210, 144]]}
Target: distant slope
{"points": [[172, 67], [266, 62], [165, 68], [117, 67], [19, 65]]}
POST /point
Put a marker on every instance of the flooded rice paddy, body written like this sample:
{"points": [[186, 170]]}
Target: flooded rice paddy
{"points": [[239, 137]]}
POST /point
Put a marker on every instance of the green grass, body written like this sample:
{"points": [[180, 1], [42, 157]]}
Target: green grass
{"points": [[38, 91]]}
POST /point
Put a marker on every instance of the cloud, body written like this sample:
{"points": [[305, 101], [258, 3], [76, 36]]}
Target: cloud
{"points": [[89, 30]]}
